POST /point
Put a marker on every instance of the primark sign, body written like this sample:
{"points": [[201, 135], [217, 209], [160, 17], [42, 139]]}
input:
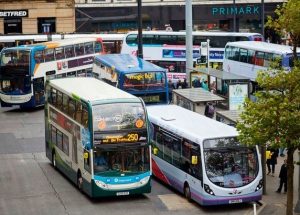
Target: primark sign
{"points": [[238, 10], [13, 13]]}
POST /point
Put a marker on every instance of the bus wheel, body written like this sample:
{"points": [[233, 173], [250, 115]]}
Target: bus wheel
{"points": [[79, 181], [54, 159], [187, 192]]}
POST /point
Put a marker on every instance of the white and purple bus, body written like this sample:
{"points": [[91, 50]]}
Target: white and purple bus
{"points": [[167, 48], [202, 158]]}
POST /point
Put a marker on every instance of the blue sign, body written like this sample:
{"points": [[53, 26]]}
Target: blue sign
{"points": [[168, 53], [216, 55], [241, 10]]}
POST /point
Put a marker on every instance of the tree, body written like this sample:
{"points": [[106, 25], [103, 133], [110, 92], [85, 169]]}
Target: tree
{"points": [[275, 117], [287, 20]]}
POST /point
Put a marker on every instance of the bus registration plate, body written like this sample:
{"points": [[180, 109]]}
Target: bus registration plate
{"points": [[122, 193], [235, 201]]}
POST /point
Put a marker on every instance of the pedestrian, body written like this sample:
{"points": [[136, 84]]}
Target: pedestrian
{"points": [[283, 177], [179, 84], [205, 85], [196, 83], [171, 87], [209, 110], [272, 161], [281, 152], [184, 84]]}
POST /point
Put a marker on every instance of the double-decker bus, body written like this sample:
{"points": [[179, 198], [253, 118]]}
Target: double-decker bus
{"points": [[202, 158], [97, 135], [167, 48], [111, 42], [23, 69], [133, 75], [247, 58]]}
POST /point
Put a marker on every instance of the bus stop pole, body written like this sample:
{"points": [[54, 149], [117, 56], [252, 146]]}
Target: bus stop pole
{"points": [[189, 40]]}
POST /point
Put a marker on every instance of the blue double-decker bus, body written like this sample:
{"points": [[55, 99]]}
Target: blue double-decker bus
{"points": [[133, 75]]}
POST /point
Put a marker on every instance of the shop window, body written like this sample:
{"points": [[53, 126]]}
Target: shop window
{"points": [[46, 25], [12, 26]]}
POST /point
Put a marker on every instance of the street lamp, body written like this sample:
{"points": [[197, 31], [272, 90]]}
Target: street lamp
{"points": [[234, 16], [263, 18], [140, 33]]}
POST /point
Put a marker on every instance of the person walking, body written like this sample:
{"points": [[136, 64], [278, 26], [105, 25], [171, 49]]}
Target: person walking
{"points": [[283, 177], [184, 84], [274, 155], [209, 110]]}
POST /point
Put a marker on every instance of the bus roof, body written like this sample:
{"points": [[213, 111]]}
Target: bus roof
{"points": [[200, 33], [263, 46], [188, 124], [54, 37], [90, 89], [127, 63]]}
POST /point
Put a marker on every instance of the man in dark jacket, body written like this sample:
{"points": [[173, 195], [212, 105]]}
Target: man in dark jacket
{"points": [[283, 177]]}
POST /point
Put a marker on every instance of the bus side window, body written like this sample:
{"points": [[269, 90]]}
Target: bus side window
{"points": [[259, 58], [85, 116], [79, 49], [88, 47], [65, 103], [53, 135], [71, 108], [69, 51], [59, 103], [39, 56], [78, 115], [53, 97], [59, 53], [49, 55]]}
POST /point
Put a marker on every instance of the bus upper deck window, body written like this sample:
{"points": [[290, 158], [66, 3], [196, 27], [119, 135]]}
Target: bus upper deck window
{"points": [[79, 49], [69, 51], [98, 47]]}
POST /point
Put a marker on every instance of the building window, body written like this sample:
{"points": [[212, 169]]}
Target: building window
{"points": [[12, 26], [46, 25]]}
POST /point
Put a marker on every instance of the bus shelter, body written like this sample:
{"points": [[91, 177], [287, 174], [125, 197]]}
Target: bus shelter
{"points": [[229, 117], [234, 88], [191, 97]]}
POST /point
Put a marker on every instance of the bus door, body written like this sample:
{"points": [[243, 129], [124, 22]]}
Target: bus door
{"points": [[193, 168], [38, 91]]}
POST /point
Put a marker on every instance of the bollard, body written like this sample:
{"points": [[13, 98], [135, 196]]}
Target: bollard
{"points": [[254, 209]]}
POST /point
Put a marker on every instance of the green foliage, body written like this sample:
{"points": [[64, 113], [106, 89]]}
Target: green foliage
{"points": [[287, 20], [275, 117]]}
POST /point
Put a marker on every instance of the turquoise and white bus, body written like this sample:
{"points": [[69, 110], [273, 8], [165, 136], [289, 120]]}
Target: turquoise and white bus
{"points": [[23, 69], [133, 75], [247, 58], [167, 48], [97, 135], [202, 158]]}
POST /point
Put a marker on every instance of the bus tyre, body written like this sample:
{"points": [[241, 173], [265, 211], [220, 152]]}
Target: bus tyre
{"points": [[54, 160], [187, 192], [79, 181]]}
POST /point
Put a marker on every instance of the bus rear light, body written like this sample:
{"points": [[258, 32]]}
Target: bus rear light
{"points": [[258, 39]]}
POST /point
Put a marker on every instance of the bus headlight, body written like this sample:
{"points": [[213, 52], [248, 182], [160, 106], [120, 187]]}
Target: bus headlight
{"points": [[208, 190], [260, 185], [144, 180], [101, 184]]}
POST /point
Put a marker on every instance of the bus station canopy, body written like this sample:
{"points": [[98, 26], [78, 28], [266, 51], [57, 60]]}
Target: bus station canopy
{"points": [[228, 116], [221, 74], [197, 95]]}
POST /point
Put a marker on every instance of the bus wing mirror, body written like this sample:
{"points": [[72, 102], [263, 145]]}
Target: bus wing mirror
{"points": [[194, 160], [155, 151], [85, 155]]}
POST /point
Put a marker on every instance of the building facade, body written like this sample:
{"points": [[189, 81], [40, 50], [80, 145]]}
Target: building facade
{"points": [[36, 16], [121, 15]]}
